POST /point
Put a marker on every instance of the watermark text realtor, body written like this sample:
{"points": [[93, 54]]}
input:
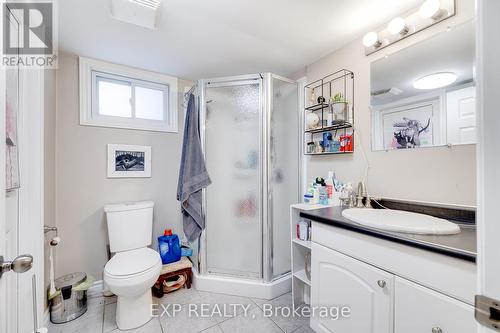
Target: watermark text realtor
{"points": [[29, 34]]}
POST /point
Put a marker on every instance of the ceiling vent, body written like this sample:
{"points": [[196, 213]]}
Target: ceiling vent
{"points": [[144, 13], [387, 92]]}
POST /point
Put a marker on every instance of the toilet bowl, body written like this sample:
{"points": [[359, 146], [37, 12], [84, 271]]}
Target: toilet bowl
{"points": [[130, 275], [134, 268]]}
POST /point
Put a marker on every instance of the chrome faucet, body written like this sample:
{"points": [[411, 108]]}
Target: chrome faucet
{"points": [[362, 194]]}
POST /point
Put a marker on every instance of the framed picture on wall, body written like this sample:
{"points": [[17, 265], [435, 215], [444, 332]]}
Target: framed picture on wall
{"points": [[129, 161]]}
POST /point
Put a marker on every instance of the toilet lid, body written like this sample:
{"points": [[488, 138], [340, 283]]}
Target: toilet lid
{"points": [[132, 262]]}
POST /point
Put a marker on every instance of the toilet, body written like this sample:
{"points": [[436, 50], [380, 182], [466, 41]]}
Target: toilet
{"points": [[134, 268]]}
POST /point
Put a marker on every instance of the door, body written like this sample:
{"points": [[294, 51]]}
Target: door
{"points": [[283, 155], [461, 116], [233, 155], [21, 184], [488, 157], [338, 280]]}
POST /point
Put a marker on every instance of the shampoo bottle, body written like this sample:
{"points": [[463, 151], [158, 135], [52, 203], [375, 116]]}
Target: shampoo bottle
{"points": [[329, 187]]}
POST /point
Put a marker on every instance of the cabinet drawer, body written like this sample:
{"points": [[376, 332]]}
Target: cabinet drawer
{"points": [[419, 310]]}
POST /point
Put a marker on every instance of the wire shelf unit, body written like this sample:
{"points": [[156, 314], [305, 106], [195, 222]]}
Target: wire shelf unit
{"points": [[321, 97]]}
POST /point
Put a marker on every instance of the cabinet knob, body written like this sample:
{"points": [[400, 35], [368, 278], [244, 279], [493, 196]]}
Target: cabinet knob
{"points": [[382, 284], [437, 330]]}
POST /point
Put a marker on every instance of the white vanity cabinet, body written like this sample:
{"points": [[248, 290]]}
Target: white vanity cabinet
{"points": [[390, 288], [340, 281], [419, 309]]}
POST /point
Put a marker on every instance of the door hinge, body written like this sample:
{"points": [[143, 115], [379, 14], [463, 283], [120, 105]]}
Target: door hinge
{"points": [[487, 312]]}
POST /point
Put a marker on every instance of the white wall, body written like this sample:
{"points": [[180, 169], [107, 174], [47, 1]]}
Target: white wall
{"points": [[82, 188], [430, 174]]}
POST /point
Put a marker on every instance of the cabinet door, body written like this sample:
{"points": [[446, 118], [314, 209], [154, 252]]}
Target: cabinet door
{"points": [[420, 310], [339, 280]]}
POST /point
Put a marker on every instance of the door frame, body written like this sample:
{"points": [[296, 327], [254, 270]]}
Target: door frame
{"points": [[488, 156], [31, 193]]}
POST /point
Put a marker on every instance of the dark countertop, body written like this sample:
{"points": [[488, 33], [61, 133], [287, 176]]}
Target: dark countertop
{"points": [[462, 245]]}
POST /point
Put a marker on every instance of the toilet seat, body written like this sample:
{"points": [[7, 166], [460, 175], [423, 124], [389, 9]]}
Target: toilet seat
{"points": [[132, 263]]}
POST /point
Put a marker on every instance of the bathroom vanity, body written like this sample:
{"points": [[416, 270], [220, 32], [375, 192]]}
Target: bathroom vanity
{"points": [[392, 282]]}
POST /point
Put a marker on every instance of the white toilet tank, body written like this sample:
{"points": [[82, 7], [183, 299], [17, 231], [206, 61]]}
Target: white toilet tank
{"points": [[130, 225]]}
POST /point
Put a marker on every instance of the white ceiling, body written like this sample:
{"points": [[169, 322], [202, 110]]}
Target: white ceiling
{"points": [[208, 38]]}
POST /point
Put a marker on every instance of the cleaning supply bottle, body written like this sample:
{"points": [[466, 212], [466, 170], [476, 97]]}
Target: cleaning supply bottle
{"points": [[329, 187], [170, 247]]}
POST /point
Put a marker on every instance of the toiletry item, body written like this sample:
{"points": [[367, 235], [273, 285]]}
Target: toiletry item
{"points": [[169, 247], [327, 138], [310, 147], [323, 195], [334, 146], [320, 181], [346, 143], [315, 200], [329, 186], [303, 228], [308, 198]]}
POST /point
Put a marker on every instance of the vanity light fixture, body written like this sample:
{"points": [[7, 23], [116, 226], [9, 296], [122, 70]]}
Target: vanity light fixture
{"points": [[434, 81], [398, 26], [371, 39], [431, 9], [427, 14]]}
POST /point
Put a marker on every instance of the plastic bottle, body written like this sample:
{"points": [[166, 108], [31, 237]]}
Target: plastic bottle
{"points": [[170, 247], [316, 194], [329, 187]]}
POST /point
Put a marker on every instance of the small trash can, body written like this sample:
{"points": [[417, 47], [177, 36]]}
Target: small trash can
{"points": [[70, 299]]}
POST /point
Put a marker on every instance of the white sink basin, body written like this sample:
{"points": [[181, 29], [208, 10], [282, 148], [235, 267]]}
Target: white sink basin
{"points": [[401, 221]]}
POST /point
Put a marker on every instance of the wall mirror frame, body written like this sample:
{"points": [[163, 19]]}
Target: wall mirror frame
{"points": [[424, 95]]}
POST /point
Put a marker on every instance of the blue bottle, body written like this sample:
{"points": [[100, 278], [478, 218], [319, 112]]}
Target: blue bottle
{"points": [[169, 247]]}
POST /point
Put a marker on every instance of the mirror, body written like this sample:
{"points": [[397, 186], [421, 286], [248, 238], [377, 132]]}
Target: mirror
{"points": [[424, 95]]}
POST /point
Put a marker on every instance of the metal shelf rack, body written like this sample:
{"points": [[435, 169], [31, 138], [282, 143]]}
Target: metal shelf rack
{"points": [[340, 82]]}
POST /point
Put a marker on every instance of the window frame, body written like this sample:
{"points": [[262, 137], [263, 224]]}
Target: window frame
{"points": [[91, 70]]}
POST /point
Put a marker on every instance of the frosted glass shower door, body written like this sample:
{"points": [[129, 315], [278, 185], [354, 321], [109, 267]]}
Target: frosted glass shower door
{"points": [[284, 160], [233, 158]]}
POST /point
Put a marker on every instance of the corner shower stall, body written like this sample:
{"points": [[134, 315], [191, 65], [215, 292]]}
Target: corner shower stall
{"points": [[250, 133]]}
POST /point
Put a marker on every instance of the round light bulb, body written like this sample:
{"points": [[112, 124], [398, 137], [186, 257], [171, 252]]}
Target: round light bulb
{"points": [[434, 81], [370, 39], [397, 26], [430, 8]]}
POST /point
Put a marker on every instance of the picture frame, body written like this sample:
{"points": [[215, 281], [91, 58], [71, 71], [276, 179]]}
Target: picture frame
{"points": [[129, 161]]}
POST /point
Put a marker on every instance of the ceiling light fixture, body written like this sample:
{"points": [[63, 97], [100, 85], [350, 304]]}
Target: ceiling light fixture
{"points": [[371, 39], [434, 81], [431, 9], [398, 26]]}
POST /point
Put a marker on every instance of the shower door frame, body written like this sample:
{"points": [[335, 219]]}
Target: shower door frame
{"points": [[226, 82], [268, 244], [265, 168]]}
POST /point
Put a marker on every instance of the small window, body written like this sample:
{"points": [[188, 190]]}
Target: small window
{"points": [[118, 96]]}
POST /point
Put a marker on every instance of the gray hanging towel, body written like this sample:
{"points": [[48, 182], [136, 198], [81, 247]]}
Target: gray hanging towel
{"points": [[193, 175]]}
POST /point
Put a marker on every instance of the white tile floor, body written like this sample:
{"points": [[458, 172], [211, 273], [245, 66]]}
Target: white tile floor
{"points": [[100, 316]]}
